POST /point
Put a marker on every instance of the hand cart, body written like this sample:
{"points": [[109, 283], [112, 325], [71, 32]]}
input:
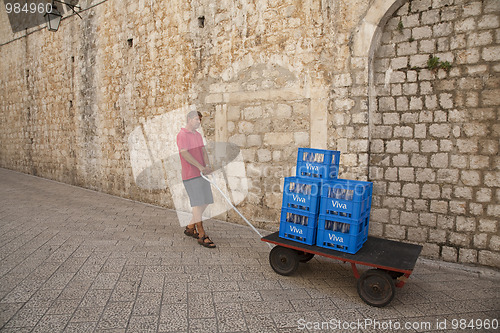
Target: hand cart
{"points": [[393, 263]]}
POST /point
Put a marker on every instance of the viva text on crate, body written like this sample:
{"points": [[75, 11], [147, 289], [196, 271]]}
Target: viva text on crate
{"points": [[296, 230], [334, 238], [338, 205]]}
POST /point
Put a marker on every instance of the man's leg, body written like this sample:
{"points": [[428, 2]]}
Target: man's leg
{"points": [[197, 219], [197, 216]]}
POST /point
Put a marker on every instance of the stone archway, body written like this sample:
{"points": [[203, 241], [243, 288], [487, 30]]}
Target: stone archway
{"points": [[433, 125]]}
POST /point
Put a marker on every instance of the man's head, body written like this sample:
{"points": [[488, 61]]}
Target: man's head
{"points": [[193, 120]]}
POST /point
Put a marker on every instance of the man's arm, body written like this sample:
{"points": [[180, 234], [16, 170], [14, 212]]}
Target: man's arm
{"points": [[191, 160], [205, 158]]}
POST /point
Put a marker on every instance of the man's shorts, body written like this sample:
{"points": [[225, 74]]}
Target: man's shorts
{"points": [[199, 191]]}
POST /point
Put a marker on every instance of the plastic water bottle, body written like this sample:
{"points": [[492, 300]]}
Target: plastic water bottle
{"points": [[349, 195]]}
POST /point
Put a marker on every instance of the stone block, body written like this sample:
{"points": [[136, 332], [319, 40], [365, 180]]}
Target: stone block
{"points": [[238, 139], [421, 32], [480, 241], [419, 235], [440, 160], [410, 146], [494, 244], [489, 22], [476, 209], [449, 176], [459, 239], [278, 139], [301, 139], [445, 222], [490, 97], [420, 131], [469, 146], [399, 63], [439, 206], [395, 232], [440, 130], [394, 202], [406, 48], [479, 162], [245, 127], [411, 190], [376, 229], [233, 113], [472, 8], [465, 224], [481, 39], [282, 111], [416, 103], [252, 112], [254, 140], [429, 146], [441, 3], [470, 177], [403, 132], [463, 192], [437, 236], [493, 210], [263, 155], [426, 175], [420, 5], [379, 215], [449, 254], [394, 189], [491, 6], [443, 29], [430, 250], [489, 258], [342, 80], [465, 25], [430, 220], [489, 226], [418, 160], [418, 60], [483, 195], [402, 103], [467, 256]]}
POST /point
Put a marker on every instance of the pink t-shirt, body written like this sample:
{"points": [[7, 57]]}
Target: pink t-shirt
{"points": [[193, 143]]}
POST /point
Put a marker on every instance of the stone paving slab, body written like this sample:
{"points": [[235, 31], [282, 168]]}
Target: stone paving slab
{"points": [[74, 260]]}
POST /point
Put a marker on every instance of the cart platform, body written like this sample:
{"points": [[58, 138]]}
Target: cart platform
{"points": [[376, 252], [393, 262]]}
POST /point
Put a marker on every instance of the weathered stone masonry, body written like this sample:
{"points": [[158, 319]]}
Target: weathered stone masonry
{"points": [[272, 76]]}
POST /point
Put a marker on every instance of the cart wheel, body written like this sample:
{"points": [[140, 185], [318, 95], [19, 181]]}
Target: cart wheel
{"points": [[376, 288], [305, 256], [284, 261]]}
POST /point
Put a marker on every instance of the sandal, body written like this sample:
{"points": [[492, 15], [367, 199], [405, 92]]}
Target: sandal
{"points": [[191, 232], [208, 244]]}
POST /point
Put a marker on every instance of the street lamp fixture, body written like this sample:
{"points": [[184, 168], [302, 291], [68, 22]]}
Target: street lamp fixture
{"points": [[53, 18]]}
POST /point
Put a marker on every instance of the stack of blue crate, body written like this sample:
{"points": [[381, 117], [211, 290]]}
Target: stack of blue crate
{"points": [[318, 208], [301, 194], [344, 215]]}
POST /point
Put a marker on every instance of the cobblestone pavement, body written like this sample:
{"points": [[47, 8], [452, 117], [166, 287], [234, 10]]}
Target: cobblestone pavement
{"points": [[75, 260]]}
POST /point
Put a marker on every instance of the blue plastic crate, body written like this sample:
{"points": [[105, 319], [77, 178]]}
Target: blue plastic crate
{"points": [[301, 193], [318, 163], [341, 234], [346, 198], [298, 225]]}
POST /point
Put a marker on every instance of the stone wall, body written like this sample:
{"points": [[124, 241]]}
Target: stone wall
{"points": [[435, 129], [271, 76]]}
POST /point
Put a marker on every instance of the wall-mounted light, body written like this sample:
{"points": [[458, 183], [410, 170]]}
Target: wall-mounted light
{"points": [[53, 17]]}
